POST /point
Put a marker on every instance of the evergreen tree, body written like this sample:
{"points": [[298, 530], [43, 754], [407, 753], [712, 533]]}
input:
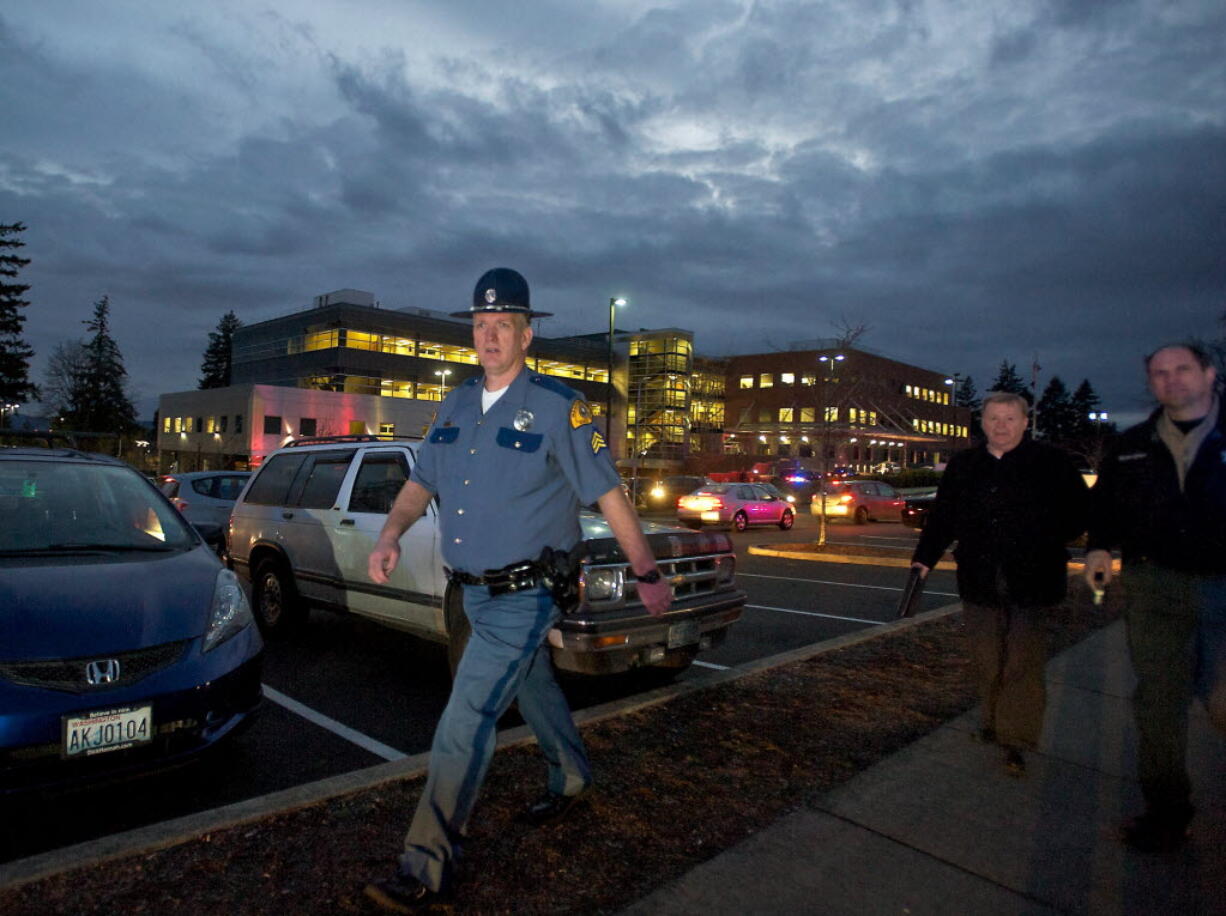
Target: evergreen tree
{"points": [[218, 357], [1008, 380], [1055, 419], [99, 399], [15, 353], [966, 395], [1084, 402]]}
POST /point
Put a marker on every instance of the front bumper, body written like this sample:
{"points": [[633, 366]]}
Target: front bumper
{"points": [[187, 720], [612, 644]]}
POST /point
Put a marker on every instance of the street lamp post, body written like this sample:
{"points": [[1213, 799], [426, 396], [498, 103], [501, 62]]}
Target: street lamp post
{"points": [[442, 375], [614, 302], [829, 362], [953, 382]]}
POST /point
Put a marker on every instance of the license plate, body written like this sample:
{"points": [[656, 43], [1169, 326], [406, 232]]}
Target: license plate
{"points": [[107, 730], [683, 634]]}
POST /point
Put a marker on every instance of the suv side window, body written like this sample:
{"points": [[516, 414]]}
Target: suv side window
{"points": [[324, 481], [272, 483], [379, 479]]}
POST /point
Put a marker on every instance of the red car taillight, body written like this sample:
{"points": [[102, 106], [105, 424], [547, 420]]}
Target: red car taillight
{"points": [[180, 504], [700, 503]]}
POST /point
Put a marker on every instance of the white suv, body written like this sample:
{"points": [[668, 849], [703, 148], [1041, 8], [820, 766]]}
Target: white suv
{"points": [[304, 526]]}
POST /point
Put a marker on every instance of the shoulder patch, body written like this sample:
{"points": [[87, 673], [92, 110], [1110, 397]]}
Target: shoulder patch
{"points": [[580, 413], [597, 442], [552, 384]]}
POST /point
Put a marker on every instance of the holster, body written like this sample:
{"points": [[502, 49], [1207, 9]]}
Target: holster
{"points": [[560, 574]]}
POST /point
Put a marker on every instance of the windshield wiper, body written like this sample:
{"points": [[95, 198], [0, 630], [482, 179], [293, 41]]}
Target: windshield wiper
{"points": [[70, 547]]}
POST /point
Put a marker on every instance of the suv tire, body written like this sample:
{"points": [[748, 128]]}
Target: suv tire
{"points": [[274, 598]]}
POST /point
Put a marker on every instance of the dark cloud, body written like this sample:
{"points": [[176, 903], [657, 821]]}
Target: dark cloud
{"points": [[971, 186]]}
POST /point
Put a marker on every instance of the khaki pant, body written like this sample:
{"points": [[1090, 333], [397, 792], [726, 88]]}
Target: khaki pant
{"points": [[1008, 648], [1176, 625]]}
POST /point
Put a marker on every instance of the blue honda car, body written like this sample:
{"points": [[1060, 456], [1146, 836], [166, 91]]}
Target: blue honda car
{"points": [[124, 643]]}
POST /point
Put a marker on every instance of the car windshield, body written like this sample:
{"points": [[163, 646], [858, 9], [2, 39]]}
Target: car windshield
{"points": [[66, 507]]}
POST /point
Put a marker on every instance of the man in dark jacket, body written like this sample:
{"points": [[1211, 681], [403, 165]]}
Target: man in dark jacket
{"points": [[1012, 505], [1161, 498]]}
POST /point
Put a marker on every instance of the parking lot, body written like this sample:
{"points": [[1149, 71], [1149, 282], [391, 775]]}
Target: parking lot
{"points": [[345, 693]]}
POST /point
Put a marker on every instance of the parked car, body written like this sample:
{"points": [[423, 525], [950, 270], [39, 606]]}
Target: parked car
{"points": [[204, 496], [740, 505], [916, 508], [124, 643], [663, 494], [302, 531], [860, 501]]}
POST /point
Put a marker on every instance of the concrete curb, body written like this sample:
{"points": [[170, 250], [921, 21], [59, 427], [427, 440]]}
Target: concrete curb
{"points": [[153, 837], [1074, 566]]}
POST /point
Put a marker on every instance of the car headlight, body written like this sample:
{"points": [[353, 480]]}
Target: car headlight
{"points": [[231, 611], [657, 493], [607, 584]]}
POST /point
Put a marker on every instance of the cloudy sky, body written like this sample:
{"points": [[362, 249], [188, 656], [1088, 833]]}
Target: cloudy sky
{"points": [[974, 181]]}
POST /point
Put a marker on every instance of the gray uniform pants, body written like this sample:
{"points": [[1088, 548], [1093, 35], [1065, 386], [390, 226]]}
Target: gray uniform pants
{"points": [[506, 658], [1008, 647]]}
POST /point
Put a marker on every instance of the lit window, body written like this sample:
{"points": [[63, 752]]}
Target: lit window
{"points": [[832, 414], [808, 414], [746, 381], [387, 429], [785, 415], [166, 424], [188, 424], [787, 378], [808, 379], [766, 380]]}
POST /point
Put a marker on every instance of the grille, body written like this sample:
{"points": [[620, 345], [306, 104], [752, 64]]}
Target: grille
{"points": [[68, 674]]}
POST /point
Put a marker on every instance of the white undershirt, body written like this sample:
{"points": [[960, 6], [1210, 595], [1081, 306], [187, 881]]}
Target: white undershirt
{"points": [[490, 398]]}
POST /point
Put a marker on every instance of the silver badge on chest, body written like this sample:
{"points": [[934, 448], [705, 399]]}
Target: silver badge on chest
{"points": [[523, 420]]}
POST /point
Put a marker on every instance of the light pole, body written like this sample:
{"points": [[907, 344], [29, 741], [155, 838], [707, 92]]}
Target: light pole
{"points": [[442, 375], [829, 362], [614, 302], [953, 382]]}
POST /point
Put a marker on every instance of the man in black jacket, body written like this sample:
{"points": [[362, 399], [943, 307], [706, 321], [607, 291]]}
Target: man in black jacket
{"points": [[1012, 505], [1161, 498]]}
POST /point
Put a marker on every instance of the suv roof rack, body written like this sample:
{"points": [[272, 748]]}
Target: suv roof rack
{"points": [[367, 437]]}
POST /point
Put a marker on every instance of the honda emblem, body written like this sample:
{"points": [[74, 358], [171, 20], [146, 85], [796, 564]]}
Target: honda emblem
{"points": [[103, 671]]}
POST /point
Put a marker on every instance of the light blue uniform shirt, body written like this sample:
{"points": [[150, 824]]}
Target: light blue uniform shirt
{"points": [[506, 493]]}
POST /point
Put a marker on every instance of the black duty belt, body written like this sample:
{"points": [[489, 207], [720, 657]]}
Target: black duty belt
{"points": [[511, 578]]}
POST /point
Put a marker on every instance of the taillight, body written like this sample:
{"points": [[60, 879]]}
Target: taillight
{"points": [[700, 503], [845, 498], [180, 504]]}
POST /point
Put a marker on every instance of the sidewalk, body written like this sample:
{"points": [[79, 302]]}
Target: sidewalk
{"points": [[939, 827]]}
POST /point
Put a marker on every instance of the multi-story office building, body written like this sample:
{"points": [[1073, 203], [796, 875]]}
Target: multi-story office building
{"points": [[844, 406], [667, 405]]}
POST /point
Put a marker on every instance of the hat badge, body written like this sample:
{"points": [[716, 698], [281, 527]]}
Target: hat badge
{"points": [[491, 295]]}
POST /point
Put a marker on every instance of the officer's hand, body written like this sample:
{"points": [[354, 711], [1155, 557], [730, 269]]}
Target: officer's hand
{"points": [[382, 561], [656, 596], [923, 570], [1098, 568]]}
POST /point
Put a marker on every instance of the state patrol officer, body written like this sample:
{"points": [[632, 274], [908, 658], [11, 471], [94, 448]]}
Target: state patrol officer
{"points": [[511, 456]]}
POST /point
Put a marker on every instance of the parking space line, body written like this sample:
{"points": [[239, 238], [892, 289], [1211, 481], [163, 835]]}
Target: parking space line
{"points": [[703, 664], [883, 588], [378, 748], [788, 610]]}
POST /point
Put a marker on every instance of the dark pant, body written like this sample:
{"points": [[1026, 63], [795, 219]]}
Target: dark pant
{"points": [[1175, 622], [1008, 647]]}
